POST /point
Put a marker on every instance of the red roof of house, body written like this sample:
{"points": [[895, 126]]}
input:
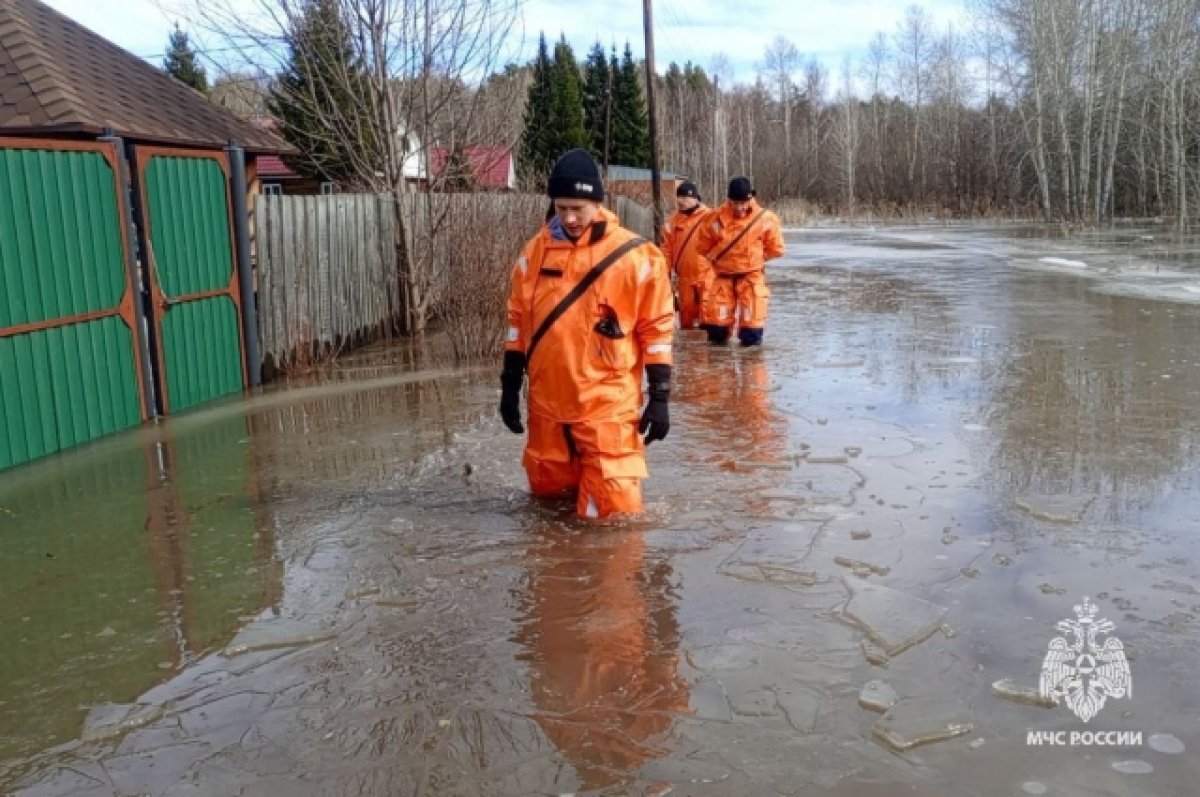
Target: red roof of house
{"points": [[491, 166], [272, 167]]}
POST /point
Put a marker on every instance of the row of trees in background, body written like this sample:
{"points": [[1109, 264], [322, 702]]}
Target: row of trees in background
{"points": [[1074, 110], [598, 107]]}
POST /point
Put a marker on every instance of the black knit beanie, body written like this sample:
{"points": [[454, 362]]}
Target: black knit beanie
{"points": [[575, 176], [688, 189], [740, 189]]}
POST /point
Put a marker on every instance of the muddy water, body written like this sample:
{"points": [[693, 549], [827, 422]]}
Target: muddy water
{"points": [[342, 588]]}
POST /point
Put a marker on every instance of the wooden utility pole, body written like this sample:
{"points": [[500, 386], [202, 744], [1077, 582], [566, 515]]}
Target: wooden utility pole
{"points": [[716, 185], [607, 119], [648, 22]]}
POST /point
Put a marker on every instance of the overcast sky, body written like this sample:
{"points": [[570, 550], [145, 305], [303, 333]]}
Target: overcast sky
{"points": [[696, 31]]}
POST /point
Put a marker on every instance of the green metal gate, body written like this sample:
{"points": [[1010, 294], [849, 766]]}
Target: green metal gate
{"points": [[196, 303], [68, 342]]}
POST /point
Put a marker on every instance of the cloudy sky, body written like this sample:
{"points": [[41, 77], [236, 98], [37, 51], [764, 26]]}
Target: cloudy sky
{"points": [[684, 29]]}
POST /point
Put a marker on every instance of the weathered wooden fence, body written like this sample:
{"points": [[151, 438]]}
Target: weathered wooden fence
{"points": [[326, 273], [635, 217]]}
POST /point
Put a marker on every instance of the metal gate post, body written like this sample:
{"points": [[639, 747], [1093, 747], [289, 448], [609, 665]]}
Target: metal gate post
{"points": [[136, 275], [245, 268]]}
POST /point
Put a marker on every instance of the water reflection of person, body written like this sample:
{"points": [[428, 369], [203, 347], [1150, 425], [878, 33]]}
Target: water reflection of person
{"points": [[601, 640], [730, 406]]}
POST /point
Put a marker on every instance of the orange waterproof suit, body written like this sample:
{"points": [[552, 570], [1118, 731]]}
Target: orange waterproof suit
{"points": [[585, 376], [737, 293], [680, 238]]}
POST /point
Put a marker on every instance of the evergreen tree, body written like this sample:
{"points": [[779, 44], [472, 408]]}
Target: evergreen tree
{"points": [[630, 123], [566, 103], [181, 61], [536, 158], [317, 96], [595, 98]]}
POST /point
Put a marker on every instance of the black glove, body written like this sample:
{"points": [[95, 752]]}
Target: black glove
{"points": [[656, 417], [510, 398]]}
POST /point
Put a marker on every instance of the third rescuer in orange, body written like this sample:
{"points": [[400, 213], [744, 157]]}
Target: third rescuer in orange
{"points": [[679, 246], [737, 240], [590, 308]]}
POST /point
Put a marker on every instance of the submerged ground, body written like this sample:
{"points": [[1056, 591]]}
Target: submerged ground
{"points": [[952, 436]]}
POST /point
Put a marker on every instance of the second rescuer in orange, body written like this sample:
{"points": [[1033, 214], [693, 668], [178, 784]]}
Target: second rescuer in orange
{"points": [[679, 246], [590, 310], [737, 240]]}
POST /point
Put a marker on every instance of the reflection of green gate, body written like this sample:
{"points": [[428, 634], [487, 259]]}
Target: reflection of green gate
{"points": [[119, 570], [68, 349], [196, 321]]}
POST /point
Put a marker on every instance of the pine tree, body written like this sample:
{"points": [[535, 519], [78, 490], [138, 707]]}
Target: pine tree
{"points": [[181, 61], [566, 102], [595, 98], [536, 155], [316, 97], [630, 123]]}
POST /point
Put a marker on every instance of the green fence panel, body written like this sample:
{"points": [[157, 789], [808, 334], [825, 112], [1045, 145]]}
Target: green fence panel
{"points": [[201, 343], [62, 382]]}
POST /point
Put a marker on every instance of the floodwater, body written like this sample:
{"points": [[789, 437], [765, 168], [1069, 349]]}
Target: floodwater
{"points": [[952, 437]]}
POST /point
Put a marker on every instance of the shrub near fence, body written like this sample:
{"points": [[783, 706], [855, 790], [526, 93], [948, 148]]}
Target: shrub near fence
{"points": [[476, 241], [328, 275]]}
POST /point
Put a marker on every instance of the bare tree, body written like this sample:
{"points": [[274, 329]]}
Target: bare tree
{"points": [[414, 74], [847, 136], [914, 50]]}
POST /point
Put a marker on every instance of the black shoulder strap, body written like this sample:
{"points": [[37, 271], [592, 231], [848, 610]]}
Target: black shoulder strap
{"points": [[579, 290], [683, 246], [739, 237]]}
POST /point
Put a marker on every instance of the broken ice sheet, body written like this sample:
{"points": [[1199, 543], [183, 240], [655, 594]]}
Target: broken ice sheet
{"points": [[857, 564], [893, 620], [113, 719], [1166, 743], [708, 700], [877, 696], [913, 722], [1011, 690], [827, 458], [1055, 508], [276, 633]]}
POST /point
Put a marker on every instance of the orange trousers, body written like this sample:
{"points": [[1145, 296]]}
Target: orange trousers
{"points": [[736, 300], [691, 302], [603, 462]]}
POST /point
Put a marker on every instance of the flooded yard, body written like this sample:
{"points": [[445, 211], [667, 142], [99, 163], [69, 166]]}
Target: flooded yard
{"points": [[859, 544]]}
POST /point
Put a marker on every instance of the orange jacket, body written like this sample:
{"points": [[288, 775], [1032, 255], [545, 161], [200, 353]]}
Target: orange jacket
{"points": [[680, 238], [751, 253], [577, 374]]}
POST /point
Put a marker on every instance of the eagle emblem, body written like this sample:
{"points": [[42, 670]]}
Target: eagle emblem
{"points": [[1084, 672]]}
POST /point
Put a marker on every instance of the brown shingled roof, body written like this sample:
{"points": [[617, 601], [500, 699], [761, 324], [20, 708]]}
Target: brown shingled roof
{"points": [[56, 76]]}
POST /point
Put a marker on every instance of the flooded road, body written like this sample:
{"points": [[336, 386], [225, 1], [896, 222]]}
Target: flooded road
{"points": [[950, 439]]}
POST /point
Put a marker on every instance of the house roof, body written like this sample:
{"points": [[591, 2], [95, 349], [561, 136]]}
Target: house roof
{"points": [[633, 174], [492, 167], [58, 77], [272, 167]]}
